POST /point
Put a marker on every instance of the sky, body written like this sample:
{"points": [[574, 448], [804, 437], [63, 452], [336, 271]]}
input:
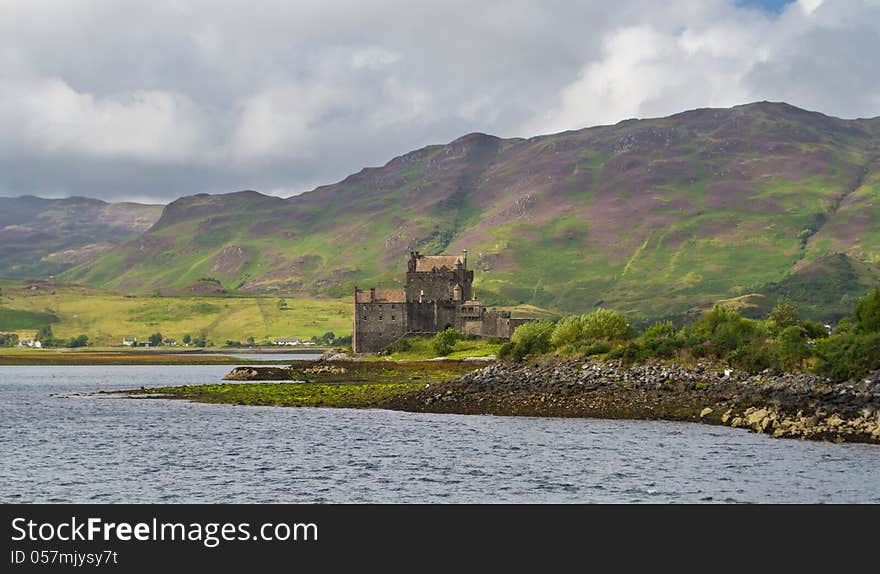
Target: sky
{"points": [[152, 100]]}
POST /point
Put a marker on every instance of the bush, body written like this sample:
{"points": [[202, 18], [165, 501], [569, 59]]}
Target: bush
{"points": [[630, 353], [849, 356], [399, 346], [8, 339], [444, 341], [755, 357], [566, 332], [606, 325], [814, 329], [664, 348], [80, 341], [599, 348], [504, 352], [722, 331], [868, 313], [531, 339], [793, 347], [661, 330]]}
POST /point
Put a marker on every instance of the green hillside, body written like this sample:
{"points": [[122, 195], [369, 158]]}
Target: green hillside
{"points": [[41, 237], [651, 217]]}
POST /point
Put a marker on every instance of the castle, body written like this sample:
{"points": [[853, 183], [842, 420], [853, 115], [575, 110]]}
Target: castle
{"points": [[438, 295]]}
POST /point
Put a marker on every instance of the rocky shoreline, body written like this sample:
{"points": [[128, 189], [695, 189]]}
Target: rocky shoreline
{"points": [[792, 405]]}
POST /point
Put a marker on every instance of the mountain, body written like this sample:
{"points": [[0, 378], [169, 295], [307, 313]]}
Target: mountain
{"points": [[42, 237], [647, 216]]}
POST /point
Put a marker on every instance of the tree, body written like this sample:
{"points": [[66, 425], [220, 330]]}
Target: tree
{"points": [[793, 347], [282, 305], [444, 341], [155, 339], [868, 313], [80, 341], [250, 340], [187, 339], [45, 337], [784, 314], [8, 339], [328, 337]]}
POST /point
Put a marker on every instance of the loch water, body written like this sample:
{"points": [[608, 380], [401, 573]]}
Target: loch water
{"points": [[60, 443]]}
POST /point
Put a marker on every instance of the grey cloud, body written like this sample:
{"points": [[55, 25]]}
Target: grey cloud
{"points": [[121, 99]]}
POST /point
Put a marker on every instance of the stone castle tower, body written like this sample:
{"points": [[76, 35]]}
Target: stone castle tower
{"points": [[438, 295]]}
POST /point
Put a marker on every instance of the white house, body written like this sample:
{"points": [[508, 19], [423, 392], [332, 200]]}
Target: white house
{"points": [[30, 343], [288, 342], [130, 342]]}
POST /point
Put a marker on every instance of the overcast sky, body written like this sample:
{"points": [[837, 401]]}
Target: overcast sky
{"points": [[155, 99]]}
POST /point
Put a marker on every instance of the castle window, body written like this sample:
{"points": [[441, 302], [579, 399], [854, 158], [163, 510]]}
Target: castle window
{"points": [[380, 317], [392, 317]]}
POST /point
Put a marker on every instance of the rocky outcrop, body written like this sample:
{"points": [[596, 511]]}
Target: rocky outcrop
{"points": [[791, 405]]}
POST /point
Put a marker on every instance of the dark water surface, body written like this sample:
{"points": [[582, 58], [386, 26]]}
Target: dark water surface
{"points": [[103, 449]]}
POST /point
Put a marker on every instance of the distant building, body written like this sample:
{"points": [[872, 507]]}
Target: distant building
{"points": [[310, 343], [130, 342], [170, 342], [30, 343], [288, 342], [438, 296]]}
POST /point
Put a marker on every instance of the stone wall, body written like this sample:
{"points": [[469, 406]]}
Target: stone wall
{"points": [[377, 325], [438, 285]]}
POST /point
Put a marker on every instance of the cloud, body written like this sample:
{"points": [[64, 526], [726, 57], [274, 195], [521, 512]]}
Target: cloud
{"points": [[123, 99]]}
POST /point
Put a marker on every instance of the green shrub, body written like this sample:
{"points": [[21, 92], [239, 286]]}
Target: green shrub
{"points": [[607, 325], [531, 338], [8, 339], [444, 341], [755, 357], [598, 348], [784, 315], [793, 347], [849, 356], [630, 353], [566, 332], [868, 313], [81, 341], [660, 330], [401, 345]]}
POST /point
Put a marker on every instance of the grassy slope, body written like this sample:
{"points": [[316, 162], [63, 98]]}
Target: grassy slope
{"points": [[108, 317], [698, 207], [41, 237]]}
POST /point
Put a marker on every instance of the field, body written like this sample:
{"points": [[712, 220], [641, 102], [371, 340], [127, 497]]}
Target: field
{"points": [[107, 317]]}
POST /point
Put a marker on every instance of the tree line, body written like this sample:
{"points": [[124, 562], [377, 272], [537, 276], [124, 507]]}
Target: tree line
{"points": [[782, 342]]}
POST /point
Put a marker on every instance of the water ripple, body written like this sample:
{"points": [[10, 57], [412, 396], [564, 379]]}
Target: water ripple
{"points": [[58, 446]]}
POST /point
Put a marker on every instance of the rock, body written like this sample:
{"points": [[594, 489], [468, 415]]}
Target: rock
{"points": [[756, 416], [726, 416], [705, 412]]}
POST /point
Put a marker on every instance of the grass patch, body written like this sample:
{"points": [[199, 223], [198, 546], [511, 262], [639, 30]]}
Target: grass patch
{"points": [[18, 319], [350, 396]]}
